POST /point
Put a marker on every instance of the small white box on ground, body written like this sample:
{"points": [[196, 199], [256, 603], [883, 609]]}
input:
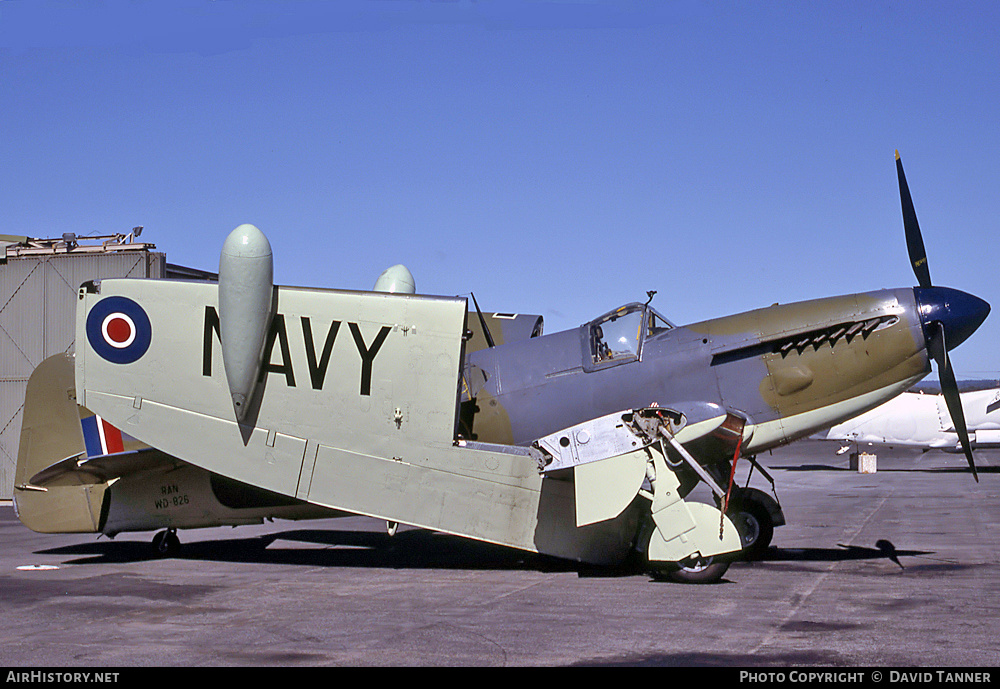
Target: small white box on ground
{"points": [[863, 462]]}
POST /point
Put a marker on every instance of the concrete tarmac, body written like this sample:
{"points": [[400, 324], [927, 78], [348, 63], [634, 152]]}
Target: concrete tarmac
{"points": [[900, 568]]}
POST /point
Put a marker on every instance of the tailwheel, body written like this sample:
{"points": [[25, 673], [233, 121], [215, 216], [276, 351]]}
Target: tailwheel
{"points": [[694, 570], [166, 543]]}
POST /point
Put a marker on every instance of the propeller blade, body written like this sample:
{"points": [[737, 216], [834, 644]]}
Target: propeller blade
{"points": [[914, 241], [949, 388]]}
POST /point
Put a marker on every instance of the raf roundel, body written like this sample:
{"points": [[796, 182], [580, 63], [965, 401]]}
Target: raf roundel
{"points": [[119, 330]]}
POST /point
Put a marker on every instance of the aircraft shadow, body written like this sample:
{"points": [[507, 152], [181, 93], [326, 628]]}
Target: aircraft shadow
{"points": [[412, 549], [883, 550], [416, 549]]}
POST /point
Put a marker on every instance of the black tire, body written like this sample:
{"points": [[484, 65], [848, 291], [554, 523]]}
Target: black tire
{"points": [[699, 570], [166, 543], [755, 526]]}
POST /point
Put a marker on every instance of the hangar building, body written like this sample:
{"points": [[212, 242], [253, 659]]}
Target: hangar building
{"points": [[39, 279]]}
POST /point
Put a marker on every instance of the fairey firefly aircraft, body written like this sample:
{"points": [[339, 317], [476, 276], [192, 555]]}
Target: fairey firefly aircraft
{"points": [[583, 444], [919, 418]]}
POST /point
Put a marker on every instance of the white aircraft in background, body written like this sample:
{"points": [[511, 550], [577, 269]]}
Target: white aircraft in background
{"points": [[919, 418]]}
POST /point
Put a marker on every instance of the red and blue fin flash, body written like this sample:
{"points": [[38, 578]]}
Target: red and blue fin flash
{"points": [[101, 437]]}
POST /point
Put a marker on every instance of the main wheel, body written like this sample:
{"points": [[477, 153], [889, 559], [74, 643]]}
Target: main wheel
{"points": [[695, 570], [755, 526]]}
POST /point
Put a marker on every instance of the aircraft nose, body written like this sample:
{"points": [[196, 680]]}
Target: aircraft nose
{"points": [[959, 312]]}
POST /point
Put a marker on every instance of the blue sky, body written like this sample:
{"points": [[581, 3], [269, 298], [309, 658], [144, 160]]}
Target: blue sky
{"points": [[558, 158]]}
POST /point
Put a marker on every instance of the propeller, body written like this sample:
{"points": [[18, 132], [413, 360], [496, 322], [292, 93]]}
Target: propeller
{"points": [[914, 240], [939, 309], [949, 388]]}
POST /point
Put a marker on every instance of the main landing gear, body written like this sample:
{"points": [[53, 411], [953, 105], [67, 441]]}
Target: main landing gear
{"points": [[694, 570], [755, 514]]}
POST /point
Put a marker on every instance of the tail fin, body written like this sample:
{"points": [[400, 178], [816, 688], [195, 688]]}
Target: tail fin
{"points": [[52, 432]]}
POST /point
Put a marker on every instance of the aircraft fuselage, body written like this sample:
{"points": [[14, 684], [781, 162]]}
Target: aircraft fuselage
{"points": [[790, 369]]}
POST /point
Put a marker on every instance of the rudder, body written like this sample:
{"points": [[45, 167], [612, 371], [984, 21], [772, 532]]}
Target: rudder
{"points": [[51, 432]]}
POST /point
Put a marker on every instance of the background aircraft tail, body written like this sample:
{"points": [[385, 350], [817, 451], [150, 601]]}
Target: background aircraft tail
{"points": [[54, 431]]}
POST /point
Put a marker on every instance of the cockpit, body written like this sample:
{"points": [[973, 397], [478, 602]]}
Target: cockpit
{"points": [[617, 337]]}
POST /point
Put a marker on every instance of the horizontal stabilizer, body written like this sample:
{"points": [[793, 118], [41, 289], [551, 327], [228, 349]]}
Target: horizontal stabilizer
{"points": [[104, 468]]}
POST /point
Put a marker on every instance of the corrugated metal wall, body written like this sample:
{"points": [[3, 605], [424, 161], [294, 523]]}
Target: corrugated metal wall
{"points": [[38, 319]]}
